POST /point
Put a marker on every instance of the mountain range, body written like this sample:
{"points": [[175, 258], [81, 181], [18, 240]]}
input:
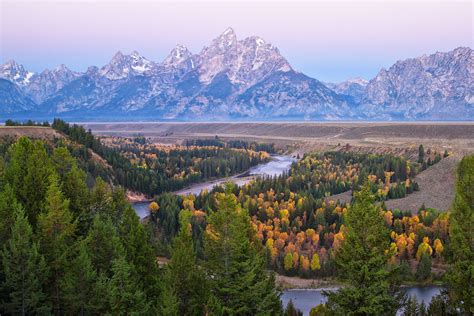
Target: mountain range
{"points": [[236, 79]]}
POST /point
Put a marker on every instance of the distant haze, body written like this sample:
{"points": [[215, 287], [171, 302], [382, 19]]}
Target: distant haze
{"points": [[331, 40]]}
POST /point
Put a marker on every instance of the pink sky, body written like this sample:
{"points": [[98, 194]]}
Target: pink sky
{"points": [[330, 40]]}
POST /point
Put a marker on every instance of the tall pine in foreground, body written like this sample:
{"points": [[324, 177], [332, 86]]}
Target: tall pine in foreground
{"points": [[139, 252], [124, 293], [461, 272], [362, 262], [25, 270], [78, 284], [56, 233], [183, 277], [238, 281]]}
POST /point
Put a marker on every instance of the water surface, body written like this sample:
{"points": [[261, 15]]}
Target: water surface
{"points": [[305, 299]]}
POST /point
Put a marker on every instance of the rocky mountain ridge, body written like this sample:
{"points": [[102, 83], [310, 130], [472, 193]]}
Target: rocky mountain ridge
{"points": [[244, 79]]}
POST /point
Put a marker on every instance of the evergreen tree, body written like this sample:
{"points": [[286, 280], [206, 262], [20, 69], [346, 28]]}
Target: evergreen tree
{"points": [[421, 154], [291, 310], [16, 168], [27, 172], [103, 245], [170, 303], [423, 270], [422, 309], [460, 276], [139, 253], [439, 306], [25, 270], [62, 161], [168, 215], [183, 277], [239, 284], [75, 189], [36, 181], [125, 295], [101, 198], [8, 203], [362, 262], [56, 234], [411, 307], [79, 284]]}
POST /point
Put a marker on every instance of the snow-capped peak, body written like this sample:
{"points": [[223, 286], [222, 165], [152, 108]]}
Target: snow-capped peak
{"points": [[226, 39], [16, 73], [179, 54], [121, 66]]}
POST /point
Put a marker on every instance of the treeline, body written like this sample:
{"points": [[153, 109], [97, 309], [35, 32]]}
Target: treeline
{"points": [[10, 122], [240, 144], [70, 250]]}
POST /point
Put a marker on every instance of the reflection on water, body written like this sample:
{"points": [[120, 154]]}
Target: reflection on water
{"points": [[274, 167], [307, 299]]}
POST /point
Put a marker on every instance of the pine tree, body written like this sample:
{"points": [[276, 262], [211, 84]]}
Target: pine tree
{"points": [[183, 277], [291, 310], [25, 270], [103, 245], [440, 307], [75, 189], [239, 283], [101, 198], [170, 303], [139, 253], [423, 270], [36, 182], [421, 154], [422, 309], [460, 275], [27, 172], [125, 295], [8, 203], [362, 262], [16, 168], [56, 234], [62, 162], [411, 307], [78, 284]]}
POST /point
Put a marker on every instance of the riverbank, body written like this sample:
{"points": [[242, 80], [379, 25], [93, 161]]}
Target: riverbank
{"points": [[296, 283], [137, 197], [291, 283]]}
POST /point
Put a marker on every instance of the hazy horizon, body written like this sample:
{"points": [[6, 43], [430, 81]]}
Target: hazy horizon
{"points": [[330, 41]]}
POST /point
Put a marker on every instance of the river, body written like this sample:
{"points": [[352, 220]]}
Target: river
{"points": [[305, 299], [276, 166]]}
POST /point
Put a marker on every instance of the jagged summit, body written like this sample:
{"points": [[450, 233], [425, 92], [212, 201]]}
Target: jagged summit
{"points": [[121, 66], [225, 40], [15, 73], [179, 54]]}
